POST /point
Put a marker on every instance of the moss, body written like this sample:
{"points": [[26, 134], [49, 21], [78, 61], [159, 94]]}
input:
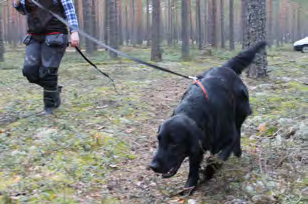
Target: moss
{"points": [[110, 200], [296, 86]]}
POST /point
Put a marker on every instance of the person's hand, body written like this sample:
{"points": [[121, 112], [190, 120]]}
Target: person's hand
{"points": [[74, 39], [16, 2]]}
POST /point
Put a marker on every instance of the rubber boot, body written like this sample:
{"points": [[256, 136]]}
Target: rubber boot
{"points": [[52, 100], [58, 97]]}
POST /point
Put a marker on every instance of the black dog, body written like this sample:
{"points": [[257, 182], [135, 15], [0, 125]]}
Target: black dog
{"points": [[208, 118]]}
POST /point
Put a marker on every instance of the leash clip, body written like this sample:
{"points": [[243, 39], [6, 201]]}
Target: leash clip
{"points": [[193, 78]]}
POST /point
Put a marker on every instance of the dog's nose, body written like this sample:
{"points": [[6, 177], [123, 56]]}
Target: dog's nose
{"points": [[154, 166]]}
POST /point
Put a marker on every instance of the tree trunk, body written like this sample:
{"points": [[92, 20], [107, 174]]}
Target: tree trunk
{"points": [[243, 21], [1, 39], [191, 23], [254, 32], [185, 35], [106, 23], [175, 25], [148, 24], [94, 26], [209, 22], [139, 26], [101, 26], [214, 24], [156, 53], [205, 39], [120, 26], [299, 34], [88, 24], [113, 41], [270, 23], [231, 19], [286, 23], [133, 19], [281, 23], [127, 31], [277, 25], [293, 21], [169, 24], [9, 26], [222, 24], [198, 9]]}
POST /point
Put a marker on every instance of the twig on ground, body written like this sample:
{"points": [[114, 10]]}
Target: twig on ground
{"points": [[281, 160], [300, 199], [166, 106], [183, 191], [261, 169], [136, 143]]}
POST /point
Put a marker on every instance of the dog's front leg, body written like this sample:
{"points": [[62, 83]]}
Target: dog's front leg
{"points": [[193, 176]]}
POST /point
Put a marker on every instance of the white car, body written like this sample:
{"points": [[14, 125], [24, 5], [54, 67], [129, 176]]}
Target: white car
{"points": [[301, 45]]}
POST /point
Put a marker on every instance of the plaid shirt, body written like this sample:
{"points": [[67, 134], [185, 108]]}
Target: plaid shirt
{"points": [[68, 6]]}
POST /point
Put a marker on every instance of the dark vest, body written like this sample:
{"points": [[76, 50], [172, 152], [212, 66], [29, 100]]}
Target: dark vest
{"points": [[42, 22]]}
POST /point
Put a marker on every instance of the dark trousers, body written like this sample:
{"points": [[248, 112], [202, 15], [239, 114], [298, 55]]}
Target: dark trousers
{"points": [[42, 60]]}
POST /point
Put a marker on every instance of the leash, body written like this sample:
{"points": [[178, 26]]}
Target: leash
{"points": [[84, 34], [103, 73]]}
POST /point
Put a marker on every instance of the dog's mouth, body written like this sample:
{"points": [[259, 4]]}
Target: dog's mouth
{"points": [[170, 173]]}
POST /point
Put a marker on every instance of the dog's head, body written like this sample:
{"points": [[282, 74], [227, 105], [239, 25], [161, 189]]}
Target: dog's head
{"points": [[178, 138]]}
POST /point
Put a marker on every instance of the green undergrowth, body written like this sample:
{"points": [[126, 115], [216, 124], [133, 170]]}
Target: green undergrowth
{"points": [[285, 99]]}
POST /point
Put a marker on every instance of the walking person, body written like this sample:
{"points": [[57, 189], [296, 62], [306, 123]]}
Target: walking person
{"points": [[46, 42]]}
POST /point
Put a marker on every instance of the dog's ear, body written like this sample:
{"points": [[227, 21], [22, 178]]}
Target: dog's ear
{"points": [[158, 130], [244, 94]]}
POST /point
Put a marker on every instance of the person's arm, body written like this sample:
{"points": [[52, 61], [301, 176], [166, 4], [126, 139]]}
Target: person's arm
{"points": [[71, 17], [19, 5]]}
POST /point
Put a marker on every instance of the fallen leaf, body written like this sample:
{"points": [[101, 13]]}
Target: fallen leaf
{"points": [[129, 130], [176, 201], [101, 127], [262, 127], [17, 178], [113, 166], [192, 201]]}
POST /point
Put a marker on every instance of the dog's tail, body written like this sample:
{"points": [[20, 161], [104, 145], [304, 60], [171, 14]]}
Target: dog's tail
{"points": [[244, 58]]}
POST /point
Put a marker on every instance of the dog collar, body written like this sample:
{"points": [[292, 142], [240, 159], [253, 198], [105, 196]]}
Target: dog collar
{"points": [[202, 87]]}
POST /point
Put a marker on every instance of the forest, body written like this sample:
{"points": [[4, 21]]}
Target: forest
{"points": [[98, 145]]}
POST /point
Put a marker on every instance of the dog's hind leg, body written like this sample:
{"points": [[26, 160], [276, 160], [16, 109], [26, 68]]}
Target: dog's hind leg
{"points": [[237, 150], [237, 146], [227, 151]]}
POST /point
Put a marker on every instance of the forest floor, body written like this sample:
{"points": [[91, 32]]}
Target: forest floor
{"points": [[97, 147]]}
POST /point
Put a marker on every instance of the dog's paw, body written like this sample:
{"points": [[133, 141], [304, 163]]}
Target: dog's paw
{"points": [[237, 153]]}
